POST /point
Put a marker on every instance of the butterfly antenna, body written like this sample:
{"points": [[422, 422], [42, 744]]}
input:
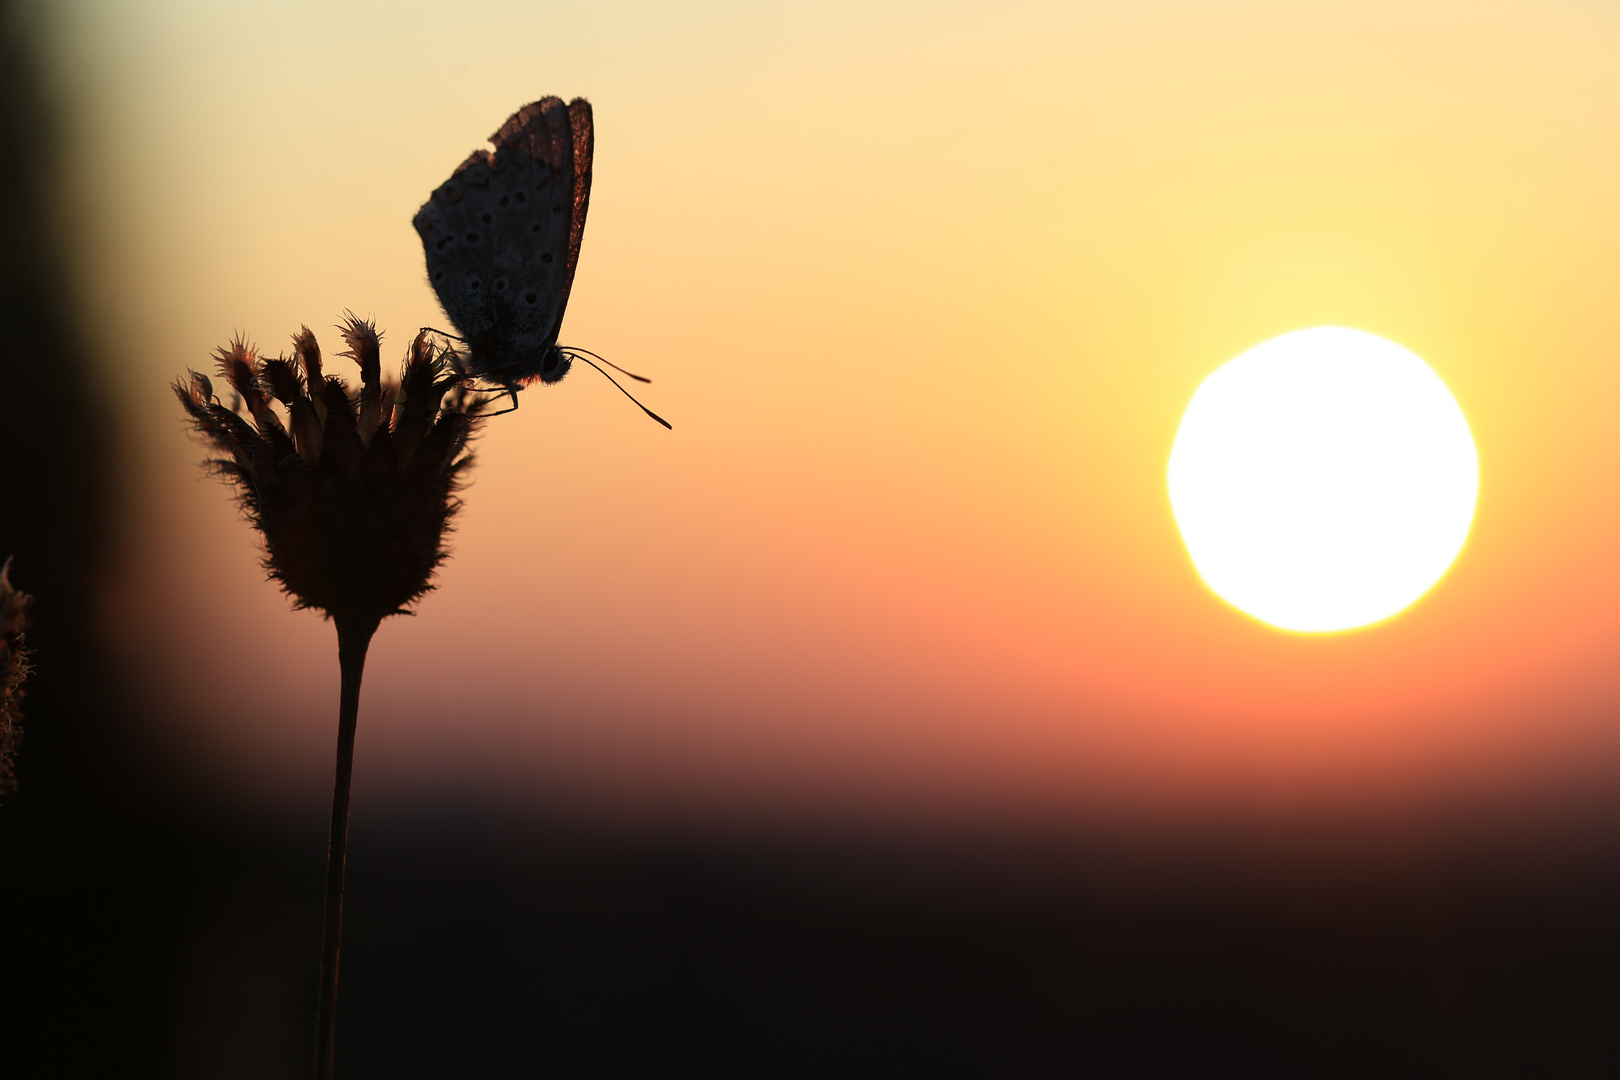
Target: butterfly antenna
{"points": [[441, 333], [611, 364], [622, 390]]}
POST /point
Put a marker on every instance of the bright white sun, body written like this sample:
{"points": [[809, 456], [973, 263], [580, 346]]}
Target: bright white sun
{"points": [[1323, 480]]}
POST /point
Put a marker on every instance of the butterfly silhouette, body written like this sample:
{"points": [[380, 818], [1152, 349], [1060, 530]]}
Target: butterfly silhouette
{"points": [[502, 239]]}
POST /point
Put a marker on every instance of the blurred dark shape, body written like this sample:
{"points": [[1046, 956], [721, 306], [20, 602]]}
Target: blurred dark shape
{"points": [[481, 948], [88, 882], [14, 668]]}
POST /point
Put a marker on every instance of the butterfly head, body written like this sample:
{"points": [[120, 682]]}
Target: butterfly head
{"points": [[554, 364], [518, 360]]}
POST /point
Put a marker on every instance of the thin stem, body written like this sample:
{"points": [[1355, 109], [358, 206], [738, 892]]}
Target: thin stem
{"points": [[354, 637]]}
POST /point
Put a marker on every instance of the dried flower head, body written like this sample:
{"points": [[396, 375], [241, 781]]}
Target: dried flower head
{"points": [[352, 492], [14, 668]]}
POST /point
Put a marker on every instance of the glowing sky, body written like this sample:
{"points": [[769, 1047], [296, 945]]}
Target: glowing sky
{"points": [[924, 289]]}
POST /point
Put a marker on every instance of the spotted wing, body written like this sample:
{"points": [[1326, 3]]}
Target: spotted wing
{"points": [[500, 234]]}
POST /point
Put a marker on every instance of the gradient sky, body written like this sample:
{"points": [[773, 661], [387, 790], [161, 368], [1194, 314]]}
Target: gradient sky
{"points": [[924, 289]]}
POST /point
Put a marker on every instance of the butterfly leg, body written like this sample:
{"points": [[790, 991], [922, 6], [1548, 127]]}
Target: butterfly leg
{"points": [[512, 390]]}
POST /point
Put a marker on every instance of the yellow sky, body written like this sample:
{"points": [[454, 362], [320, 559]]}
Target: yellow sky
{"points": [[924, 289]]}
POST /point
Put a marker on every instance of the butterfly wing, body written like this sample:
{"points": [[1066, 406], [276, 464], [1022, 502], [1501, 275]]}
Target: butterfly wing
{"points": [[502, 235], [583, 128]]}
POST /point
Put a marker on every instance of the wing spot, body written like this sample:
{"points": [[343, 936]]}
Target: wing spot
{"points": [[500, 284], [545, 256], [520, 197], [486, 219], [472, 238], [535, 227], [557, 208], [505, 199], [438, 275], [474, 284], [530, 297]]}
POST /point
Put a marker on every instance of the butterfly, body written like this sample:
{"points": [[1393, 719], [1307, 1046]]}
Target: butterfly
{"points": [[502, 239]]}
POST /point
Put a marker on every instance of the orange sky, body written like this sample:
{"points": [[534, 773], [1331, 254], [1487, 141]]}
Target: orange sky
{"points": [[924, 289]]}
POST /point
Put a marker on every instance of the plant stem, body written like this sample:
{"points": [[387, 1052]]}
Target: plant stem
{"points": [[354, 637]]}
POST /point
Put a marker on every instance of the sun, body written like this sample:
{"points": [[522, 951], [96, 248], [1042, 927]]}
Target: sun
{"points": [[1323, 480]]}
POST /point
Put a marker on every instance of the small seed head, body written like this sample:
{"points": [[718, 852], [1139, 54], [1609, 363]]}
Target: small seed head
{"points": [[353, 492]]}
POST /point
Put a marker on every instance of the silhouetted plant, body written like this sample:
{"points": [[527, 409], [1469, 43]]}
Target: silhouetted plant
{"points": [[353, 494], [14, 668]]}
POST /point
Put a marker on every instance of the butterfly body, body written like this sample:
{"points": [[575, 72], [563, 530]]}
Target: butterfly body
{"points": [[502, 239]]}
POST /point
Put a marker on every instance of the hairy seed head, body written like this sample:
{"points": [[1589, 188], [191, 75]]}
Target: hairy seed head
{"points": [[353, 492]]}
